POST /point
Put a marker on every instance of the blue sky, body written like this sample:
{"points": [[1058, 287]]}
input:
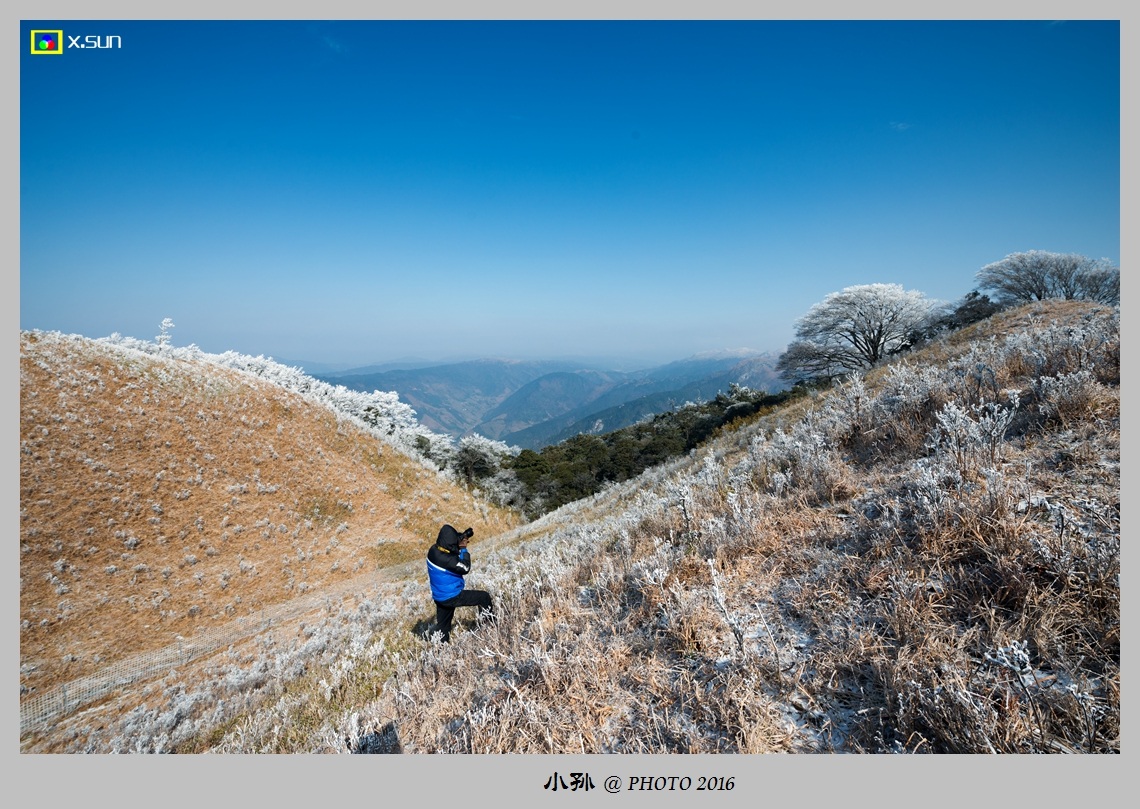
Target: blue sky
{"points": [[355, 192]]}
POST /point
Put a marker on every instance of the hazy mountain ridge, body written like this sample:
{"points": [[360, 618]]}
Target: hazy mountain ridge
{"points": [[533, 403], [316, 368], [637, 400], [452, 398], [546, 398]]}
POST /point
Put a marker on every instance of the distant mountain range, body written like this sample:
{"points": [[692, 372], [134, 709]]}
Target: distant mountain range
{"points": [[314, 369], [532, 404]]}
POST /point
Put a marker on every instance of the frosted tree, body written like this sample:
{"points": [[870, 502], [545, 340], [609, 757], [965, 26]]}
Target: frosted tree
{"points": [[1036, 275], [854, 329], [479, 457], [163, 338], [1100, 283]]}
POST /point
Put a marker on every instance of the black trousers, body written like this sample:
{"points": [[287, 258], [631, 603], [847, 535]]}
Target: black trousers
{"points": [[445, 610]]}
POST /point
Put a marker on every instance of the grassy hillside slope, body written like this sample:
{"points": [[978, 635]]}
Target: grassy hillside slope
{"points": [[162, 496], [924, 559]]}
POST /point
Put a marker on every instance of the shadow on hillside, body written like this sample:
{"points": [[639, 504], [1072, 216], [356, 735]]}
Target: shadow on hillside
{"points": [[424, 628], [385, 740]]}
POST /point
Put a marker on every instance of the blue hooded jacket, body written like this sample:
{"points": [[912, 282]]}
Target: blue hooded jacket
{"points": [[447, 564]]}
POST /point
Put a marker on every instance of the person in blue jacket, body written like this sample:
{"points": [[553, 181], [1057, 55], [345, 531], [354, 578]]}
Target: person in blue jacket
{"points": [[447, 563]]}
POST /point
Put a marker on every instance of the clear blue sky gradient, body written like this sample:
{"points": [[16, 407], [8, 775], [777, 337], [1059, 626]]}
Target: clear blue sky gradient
{"points": [[354, 192]]}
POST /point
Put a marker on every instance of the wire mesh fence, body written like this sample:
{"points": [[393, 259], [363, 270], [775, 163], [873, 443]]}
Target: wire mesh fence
{"points": [[39, 711]]}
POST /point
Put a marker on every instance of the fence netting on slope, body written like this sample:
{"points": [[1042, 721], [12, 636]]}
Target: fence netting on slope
{"points": [[39, 711]]}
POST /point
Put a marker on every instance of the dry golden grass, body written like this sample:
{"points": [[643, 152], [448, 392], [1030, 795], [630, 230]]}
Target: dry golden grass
{"points": [[161, 496]]}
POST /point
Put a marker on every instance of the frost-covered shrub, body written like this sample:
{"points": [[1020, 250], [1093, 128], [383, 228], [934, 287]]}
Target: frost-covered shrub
{"points": [[973, 439], [906, 400], [505, 489], [478, 458], [1068, 395], [854, 402], [1058, 349], [803, 459]]}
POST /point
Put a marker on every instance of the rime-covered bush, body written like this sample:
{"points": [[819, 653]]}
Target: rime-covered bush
{"points": [[479, 462], [1053, 349], [803, 459], [1067, 396], [973, 439], [901, 411]]}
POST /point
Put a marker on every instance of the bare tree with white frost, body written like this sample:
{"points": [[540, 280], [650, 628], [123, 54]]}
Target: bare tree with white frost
{"points": [[1036, 275], [854, 329]]}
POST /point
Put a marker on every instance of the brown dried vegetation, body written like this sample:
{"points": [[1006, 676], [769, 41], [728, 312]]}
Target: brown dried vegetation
{"points": [[925, 560], [162, 496]]}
